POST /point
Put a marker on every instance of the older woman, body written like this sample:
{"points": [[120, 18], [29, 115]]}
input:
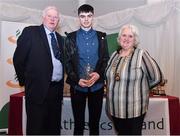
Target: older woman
{"points": [[130, 74]]}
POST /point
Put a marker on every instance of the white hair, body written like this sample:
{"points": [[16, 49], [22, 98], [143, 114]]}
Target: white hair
{"points": [[44, 12], [134, 30]]}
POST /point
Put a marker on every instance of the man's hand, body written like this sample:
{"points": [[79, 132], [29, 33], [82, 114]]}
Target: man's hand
{"points": [[94, 76], [83, 83]]}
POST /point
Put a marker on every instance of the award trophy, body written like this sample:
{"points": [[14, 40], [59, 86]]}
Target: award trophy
{"points": [[88, 71], [160, 89]]}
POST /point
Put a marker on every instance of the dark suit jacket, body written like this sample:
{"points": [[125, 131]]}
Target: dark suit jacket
{"points": [[33, 64]]}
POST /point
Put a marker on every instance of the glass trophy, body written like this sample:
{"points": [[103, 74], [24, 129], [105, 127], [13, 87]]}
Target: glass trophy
{"points": [[88, 71]]}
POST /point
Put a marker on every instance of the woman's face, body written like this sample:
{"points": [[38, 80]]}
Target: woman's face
{"points": [[127, 39]]}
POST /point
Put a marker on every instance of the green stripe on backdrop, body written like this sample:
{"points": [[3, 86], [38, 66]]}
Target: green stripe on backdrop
{"points": [[4, 116], [112, 42]]}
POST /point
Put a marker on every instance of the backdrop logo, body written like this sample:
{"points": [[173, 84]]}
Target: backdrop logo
{"points": [[13, 39], [158, 124], [68, 124]]}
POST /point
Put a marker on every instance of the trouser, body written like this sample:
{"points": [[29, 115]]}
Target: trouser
{"points": [[132, 126], [78, 102], [45, 118]]}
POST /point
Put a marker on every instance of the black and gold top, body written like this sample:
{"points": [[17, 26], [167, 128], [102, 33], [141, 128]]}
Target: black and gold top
{"points": [[129, 80]]}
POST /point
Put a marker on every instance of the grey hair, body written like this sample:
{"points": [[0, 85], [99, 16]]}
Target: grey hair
{"points": [[44, 12], [134, 30]]}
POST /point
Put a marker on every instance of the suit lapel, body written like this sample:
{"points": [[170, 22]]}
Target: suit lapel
{"points": [[60, 42], [46, 44], [45, 40], [61, 45]]}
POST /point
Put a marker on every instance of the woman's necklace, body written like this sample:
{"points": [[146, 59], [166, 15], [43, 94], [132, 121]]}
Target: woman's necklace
{"points": [[117, 72], [126, 53], [116, 63]]}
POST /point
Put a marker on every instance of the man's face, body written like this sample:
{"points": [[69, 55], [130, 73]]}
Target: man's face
{"points": [[51, 19], [86, 19]]}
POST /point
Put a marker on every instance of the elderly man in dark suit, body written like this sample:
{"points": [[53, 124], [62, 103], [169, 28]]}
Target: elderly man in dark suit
{"points": [[38, 62]]}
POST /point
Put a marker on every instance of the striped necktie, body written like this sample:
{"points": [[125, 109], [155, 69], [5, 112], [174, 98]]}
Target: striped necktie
{"points": [[55, 47]]}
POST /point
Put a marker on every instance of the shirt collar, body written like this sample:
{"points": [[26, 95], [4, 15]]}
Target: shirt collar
{"points": [[85, 32], [48, 31]]}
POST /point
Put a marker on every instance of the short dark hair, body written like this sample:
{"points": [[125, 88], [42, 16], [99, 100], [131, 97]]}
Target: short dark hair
{"points": [[85, 8]]}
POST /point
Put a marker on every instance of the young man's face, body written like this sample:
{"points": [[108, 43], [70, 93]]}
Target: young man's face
{"points": [[86, 19]]}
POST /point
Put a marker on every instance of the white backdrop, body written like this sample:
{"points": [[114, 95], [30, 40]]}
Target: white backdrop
{"points": [[9, 32], [8, 85]]}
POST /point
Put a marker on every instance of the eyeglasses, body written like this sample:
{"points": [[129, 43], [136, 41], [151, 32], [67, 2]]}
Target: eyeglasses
{"points": [[52, 17]]}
